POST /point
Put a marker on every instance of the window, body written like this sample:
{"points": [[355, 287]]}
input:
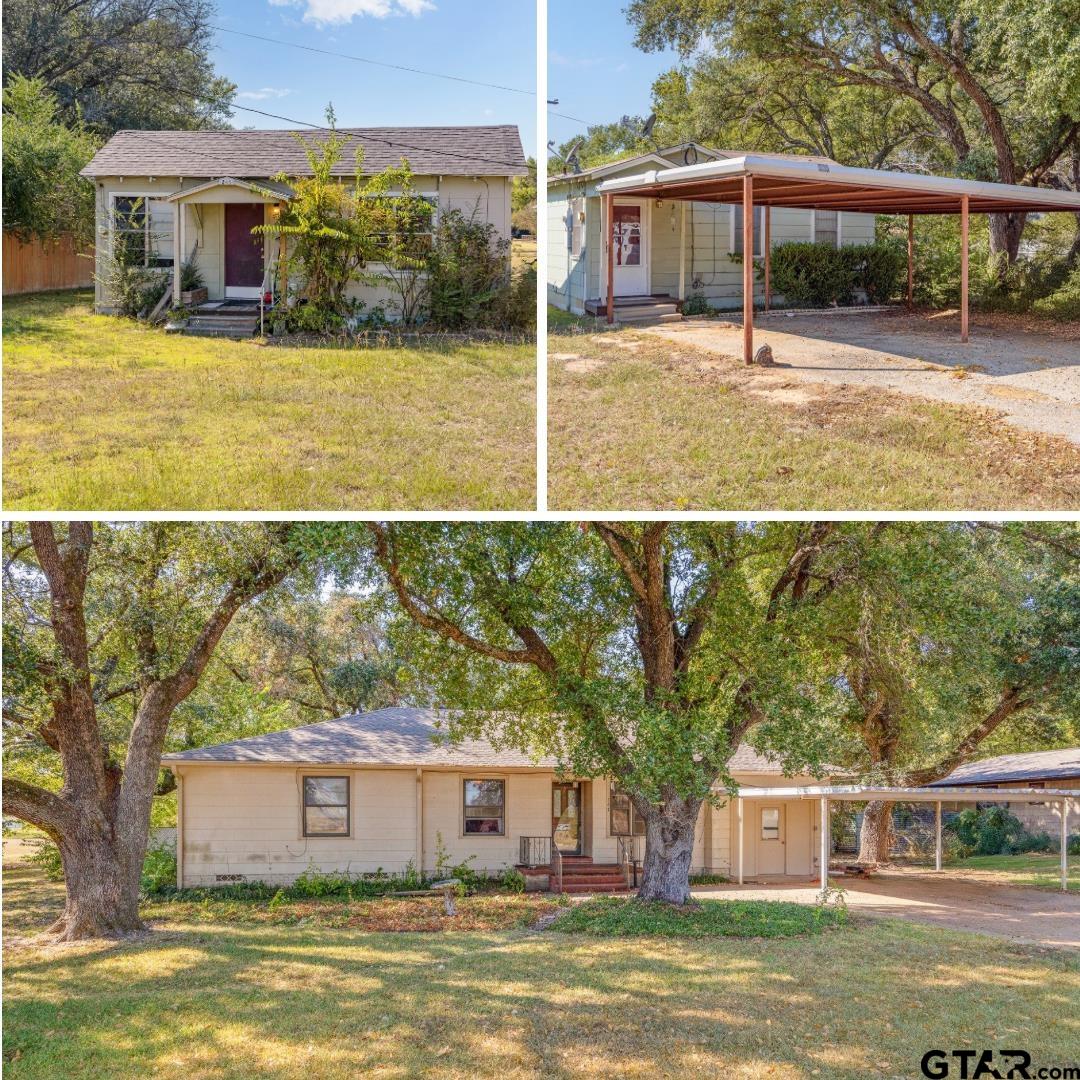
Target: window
{"points": [[826, 227], [416, 218], [574, 226], [485, 802], [737, 230], [326, 806], [770, 823], [623, 819], [142, 229]]}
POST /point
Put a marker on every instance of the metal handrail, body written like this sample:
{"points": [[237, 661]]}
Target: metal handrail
{"points": [[627, 851], [557, 864], [534, 850]]}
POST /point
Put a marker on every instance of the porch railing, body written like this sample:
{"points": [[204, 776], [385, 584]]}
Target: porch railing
{"points": [[534, 851], [556, 866], [627, 857]]}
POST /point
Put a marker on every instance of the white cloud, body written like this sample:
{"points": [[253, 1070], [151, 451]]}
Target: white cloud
{"points": [[562, 60], [329, 12], [265, 93]]}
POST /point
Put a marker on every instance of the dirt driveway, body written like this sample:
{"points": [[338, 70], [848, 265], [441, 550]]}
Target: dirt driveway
{"points": [[1031, 376], [1030, 916]]}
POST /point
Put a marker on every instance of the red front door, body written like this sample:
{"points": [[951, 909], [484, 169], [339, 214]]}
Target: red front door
{"points": [[243, 252]]}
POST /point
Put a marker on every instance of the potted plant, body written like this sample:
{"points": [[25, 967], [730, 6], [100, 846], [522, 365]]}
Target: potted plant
{"points": [[192, 287]]}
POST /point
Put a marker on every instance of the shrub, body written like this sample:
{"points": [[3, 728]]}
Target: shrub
{"points": [[47, 858], [515, 306], [812, 275], [468, 269], [190, 275], [994, 830], [881, 269], [696, 304], [159, 871], [1063, 302]]}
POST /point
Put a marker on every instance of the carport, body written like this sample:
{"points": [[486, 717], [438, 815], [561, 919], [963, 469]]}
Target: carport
{"points": [[754, 180], [826, 795]]}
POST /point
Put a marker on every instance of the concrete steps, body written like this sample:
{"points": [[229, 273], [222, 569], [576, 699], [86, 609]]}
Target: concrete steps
{"points": [[638, 309], [229, 326]]}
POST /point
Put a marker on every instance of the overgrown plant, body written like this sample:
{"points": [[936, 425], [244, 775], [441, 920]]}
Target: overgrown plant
{"points": [[468, 269], [133, 287]]}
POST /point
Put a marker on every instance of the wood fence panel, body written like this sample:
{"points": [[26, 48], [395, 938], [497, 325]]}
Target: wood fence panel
{"points": [[36, 267]]}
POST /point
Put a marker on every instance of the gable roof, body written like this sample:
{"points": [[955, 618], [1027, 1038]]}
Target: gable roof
{"points": [[1040, 765], [397, 736], [231, 181], [431, 151]]}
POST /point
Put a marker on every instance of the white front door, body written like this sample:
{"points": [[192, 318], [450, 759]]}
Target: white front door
{"points": [[631, 247], [770, 839]]}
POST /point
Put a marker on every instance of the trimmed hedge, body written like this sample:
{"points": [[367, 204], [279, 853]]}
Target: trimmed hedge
{"points": [[812, 275]]}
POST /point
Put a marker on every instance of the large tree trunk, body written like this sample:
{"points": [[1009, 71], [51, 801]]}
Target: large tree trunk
{"points": [[876, 834], [669, 848], [102, 890], [1005, 233]]}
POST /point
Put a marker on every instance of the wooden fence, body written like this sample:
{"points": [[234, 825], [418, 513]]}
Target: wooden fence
{"points": [[36, 267]]}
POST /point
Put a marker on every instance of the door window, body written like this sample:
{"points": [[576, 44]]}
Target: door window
{"points": [[627, 221], [770, 823]]}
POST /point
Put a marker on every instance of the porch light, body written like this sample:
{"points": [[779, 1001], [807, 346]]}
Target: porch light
{"points": [[659, 204]]}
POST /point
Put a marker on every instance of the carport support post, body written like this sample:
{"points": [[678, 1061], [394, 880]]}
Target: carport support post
{"points": [[738, 817], [824, 843], [964, 202], [1064, 845], [937, 836], [910, 261], [609, 217], [748, 270], [768, 259]]}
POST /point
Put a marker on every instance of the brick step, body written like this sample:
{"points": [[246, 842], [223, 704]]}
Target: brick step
{"points": [[604, 888], [597, 868]]}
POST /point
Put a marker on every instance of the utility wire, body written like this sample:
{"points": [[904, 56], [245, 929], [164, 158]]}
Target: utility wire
{"points": [[376, 63]]}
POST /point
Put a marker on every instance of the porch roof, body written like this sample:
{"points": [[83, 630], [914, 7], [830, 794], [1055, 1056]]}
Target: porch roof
{"points": [[820, 185], [276, 191]]}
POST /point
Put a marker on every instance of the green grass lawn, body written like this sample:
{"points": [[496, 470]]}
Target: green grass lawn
{"points": [[203, 999], [631, 427], [101, 413], [1027, 869]]}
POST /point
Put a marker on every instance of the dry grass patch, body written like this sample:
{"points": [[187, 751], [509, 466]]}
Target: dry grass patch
{"points": [[101, 413], [663, 429]]}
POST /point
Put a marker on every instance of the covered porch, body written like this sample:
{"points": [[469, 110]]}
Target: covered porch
{"points": [[213, 225], [753, 181]]}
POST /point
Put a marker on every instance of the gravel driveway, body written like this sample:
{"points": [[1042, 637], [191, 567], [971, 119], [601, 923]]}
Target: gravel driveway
{"points": [[1030, 916], [1031, 376]]}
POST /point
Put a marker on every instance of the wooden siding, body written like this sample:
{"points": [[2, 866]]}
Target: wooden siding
{"points": [[31, 266]]}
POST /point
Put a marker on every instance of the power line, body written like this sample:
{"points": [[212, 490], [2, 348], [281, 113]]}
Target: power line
{"points": [[576, 119], [376, 63]]}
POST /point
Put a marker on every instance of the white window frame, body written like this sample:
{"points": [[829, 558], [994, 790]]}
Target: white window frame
{"points": [[146, 196], [430, 196], [480, 778], [839, 228], [732, 211]]}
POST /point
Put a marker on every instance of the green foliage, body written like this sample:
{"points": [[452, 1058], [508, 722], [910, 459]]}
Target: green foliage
{"points": [[191, 274], [993, 830], [135, 66], [44, 196], [159, 870], [617, 917], [523, 190], [467, 269], [133, 287], [512, 880], [603, 143], [696, 304], [815, 275], [46, 857], [515, 306], [1064, 302], [708, 879]]}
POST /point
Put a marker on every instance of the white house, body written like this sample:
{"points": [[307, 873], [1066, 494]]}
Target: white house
{"points": [[198, 194], [668, 249], [385, 790]]}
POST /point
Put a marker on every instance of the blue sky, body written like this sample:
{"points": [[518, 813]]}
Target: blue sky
{"points": [[593, 68], [439, 35]]}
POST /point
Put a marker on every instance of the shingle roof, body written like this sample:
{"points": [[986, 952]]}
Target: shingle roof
{"points": [[431, 151], [1040, 765], [400, 736]]}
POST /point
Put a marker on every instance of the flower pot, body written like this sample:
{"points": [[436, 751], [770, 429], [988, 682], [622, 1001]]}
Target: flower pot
{"points": [[194, 296]]}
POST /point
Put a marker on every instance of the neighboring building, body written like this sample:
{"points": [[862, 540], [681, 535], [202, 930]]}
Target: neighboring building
{"points": [[198, 194], [382, 790], [1044, 768], [664, 248]]}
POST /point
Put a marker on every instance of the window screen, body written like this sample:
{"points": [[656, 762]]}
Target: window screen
{"points": [[623, 819], [326, 806], [737, 238], [770, 823], [825, 230], [485, 807]]}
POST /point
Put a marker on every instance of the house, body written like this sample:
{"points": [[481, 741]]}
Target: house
{"points": [[666, 250], [386, 790], [184, 195], [1056, 769]]}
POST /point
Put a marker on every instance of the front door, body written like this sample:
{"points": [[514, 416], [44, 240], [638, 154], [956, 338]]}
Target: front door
{"points": [[770, 840], [243, 251], [631, 248], [566, 817]]}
